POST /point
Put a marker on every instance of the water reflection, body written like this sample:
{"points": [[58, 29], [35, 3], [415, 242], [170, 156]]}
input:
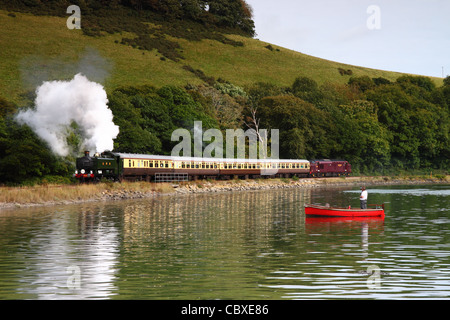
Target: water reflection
{"points": [[65, 254], [338, 263], [249, 245], [199, 241]]}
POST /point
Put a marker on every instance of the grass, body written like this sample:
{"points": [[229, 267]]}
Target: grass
{"points": [[80, 192], [41, 194], [38, 48]]}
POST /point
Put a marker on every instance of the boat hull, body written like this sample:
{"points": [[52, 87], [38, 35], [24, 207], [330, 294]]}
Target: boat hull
{"points": [[324, 211]]}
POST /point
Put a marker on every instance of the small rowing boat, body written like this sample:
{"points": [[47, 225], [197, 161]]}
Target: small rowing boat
{"points": [[327, 211]]}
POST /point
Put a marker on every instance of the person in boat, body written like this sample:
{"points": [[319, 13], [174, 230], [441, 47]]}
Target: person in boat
{"points": [[363, 198]]}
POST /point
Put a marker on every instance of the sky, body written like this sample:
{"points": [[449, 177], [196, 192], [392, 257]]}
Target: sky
{"points": [[408, 36]]}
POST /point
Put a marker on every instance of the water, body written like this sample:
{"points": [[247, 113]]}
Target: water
{"points": [[249, 245]]}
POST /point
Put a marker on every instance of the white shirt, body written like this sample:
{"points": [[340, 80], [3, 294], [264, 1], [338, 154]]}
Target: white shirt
{"points": [[363, 195]]}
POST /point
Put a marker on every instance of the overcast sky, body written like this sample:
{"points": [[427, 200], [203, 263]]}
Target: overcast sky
{"points": [[410, 36]]}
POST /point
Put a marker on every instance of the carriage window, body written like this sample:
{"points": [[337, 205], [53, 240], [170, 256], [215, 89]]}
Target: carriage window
{"points": [[166, 164]]}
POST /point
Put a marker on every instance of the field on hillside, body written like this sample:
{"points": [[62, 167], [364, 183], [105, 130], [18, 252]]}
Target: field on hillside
{"points": [[39, 48]]}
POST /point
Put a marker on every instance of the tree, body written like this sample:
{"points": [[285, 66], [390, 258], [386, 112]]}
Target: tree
{"points": [[24, 157], [226, 110], [365, 139], [363, 83], [132, 137], [447, 81], [235, 14], [307, 89], [305, 131]]}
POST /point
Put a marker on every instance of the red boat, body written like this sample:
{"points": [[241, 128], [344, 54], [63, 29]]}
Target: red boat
{"points": [[316, 210]]}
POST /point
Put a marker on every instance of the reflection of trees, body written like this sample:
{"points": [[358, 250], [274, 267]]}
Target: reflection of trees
{"points": [[252, 214], [215, 237]]}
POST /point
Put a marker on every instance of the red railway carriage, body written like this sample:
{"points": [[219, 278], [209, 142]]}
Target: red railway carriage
{"points": [[329, 168]]}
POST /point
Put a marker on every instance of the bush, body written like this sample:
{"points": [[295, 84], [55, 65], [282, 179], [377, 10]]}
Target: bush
{"points": [[200, 74], [344, 72]]}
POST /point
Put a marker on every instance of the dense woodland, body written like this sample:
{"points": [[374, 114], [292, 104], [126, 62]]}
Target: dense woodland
{"points": [[381, 127]]}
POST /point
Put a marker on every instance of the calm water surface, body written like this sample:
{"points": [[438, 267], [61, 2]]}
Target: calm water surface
{"points": [[249, 245]]}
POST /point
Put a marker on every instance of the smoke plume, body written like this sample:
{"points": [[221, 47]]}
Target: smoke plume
{"points": [[62, 107]]}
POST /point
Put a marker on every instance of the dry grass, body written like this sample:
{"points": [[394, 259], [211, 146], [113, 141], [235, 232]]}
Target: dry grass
{"points": [[82, 192], [41, 194]]}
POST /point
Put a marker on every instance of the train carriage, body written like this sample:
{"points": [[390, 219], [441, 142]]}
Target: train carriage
{"points": [[143, 167], [197, 167], [330, 168]]}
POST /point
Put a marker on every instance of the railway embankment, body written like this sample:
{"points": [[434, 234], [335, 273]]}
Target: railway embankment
{"points": [[16, 197]]}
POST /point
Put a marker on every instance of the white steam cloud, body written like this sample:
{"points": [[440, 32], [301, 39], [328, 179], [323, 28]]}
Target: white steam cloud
{"points": [[59, 104]]}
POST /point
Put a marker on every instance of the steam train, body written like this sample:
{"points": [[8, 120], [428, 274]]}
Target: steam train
{"points": [[138, 167]]}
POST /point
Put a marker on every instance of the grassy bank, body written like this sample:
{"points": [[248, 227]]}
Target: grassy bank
{"points": [[65, 194], [11, 197]]}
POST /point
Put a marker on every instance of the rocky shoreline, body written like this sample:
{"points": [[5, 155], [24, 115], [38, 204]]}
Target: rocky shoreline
{"points": [[139, 191], [245, 185]]}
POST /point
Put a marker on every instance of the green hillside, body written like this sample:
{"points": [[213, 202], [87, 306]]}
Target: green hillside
{"points": [[37, 48], [164, 69]]}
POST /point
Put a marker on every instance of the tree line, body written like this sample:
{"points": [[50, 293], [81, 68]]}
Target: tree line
{"points": [[379, 126]]}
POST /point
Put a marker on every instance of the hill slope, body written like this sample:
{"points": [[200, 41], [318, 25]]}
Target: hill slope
{"points": [[38, 48]]}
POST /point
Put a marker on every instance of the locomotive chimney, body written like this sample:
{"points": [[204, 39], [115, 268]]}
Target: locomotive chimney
{"points": [[86, 153]]}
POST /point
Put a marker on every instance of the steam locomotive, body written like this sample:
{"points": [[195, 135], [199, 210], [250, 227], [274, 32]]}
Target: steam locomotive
{"points": [[133, 167]]}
